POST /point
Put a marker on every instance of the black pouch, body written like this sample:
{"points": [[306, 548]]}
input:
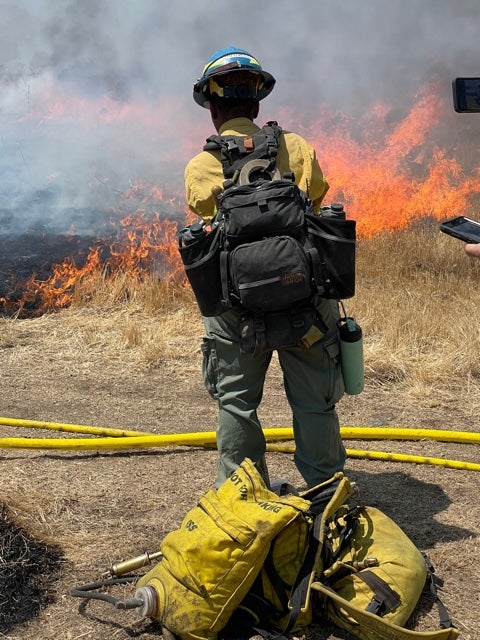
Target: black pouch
{"points": [[262, 209], [335, 240], [261, 332], [270, 274], [201, 260]]}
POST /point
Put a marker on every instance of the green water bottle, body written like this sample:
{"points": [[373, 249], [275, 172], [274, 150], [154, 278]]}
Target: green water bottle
{"points": [[351, 354]]}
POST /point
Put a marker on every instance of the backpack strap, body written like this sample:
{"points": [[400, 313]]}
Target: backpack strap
{"points": [[235, 151], [272, 132], [385, 599], [260, 328], [300, 593], [317, 269], [226, 302]]}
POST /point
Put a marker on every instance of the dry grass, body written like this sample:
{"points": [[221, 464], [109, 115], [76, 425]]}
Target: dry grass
{"points": [[417, 296], [417, 300]]}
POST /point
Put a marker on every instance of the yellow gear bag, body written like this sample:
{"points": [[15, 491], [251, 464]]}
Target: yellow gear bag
{"points": [[371, 586], [244, 557], [210, 563]]}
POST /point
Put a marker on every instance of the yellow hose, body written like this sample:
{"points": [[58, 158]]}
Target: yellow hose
{"points": [[391, 457], [129, 442], [271, 434], [111, 438], [133, 442], [401, 457], [402, 433], [70, 428]]}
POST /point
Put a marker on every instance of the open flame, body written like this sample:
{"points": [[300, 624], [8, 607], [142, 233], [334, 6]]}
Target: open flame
{"points": [[390, 174], [388, 171], [141, 247]]}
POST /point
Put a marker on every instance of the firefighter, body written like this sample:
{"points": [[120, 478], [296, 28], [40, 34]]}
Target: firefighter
{"points": [[231, 86]]}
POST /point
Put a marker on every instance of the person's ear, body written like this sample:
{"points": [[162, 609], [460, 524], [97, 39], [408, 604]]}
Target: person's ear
{"points": [[213, 111]]}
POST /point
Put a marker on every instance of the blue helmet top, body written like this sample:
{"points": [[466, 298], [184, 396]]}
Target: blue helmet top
{"points": [[253, 82]]}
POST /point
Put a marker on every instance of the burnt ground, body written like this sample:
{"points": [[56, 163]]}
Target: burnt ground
{"points": [[32, 254], [28, 568]]}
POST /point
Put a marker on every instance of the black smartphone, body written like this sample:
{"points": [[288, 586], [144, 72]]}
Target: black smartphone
{"points": [[463, 229], [466, 95]]}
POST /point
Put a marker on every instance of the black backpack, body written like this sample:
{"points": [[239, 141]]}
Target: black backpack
{"points": [[267, 252]]}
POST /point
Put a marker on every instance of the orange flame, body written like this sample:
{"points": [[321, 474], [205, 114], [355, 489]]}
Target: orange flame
{"points": [[391, 175], [142, 247]]}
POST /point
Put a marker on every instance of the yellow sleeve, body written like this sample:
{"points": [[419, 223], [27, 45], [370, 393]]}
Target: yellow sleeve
{"points": [[297, 155], [202, 174], [319, 186]]}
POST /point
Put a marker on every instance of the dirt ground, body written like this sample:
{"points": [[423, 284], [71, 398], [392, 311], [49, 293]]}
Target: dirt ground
{"points": [[98, 507]]}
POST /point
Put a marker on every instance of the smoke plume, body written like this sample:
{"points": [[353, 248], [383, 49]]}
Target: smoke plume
{"points": [[96, 112]]}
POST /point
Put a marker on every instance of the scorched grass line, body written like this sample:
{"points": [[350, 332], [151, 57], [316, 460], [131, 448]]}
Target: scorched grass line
{"points": [[27, 569]]}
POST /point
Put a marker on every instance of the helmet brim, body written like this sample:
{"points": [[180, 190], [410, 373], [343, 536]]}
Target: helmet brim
{"points": [[202, 98]]}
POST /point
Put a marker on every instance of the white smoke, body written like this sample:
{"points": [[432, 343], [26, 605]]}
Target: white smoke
{"points": [[96, 95]]}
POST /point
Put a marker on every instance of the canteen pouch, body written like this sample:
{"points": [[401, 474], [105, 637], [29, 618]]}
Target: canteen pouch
{"points": [[335, 240], [201, 260]]}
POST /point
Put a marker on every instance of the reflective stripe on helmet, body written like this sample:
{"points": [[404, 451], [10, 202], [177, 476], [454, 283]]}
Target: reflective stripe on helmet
{"points": [[239, 60]]}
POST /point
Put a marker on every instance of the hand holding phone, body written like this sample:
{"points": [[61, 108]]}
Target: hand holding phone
{"points": [[472, 250], [463, 229]]}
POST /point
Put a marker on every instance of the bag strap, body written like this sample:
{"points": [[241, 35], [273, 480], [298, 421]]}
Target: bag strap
{"points": [[433, 581], [317, 270], [226, 302], [301, 589], [325, 503], [345, 533], [385, 599], [260, 331], [278, 584], [378, 628], [235, 151], [300, 594]]}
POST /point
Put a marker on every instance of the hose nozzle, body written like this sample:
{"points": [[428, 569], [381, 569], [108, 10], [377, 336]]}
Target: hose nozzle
{"points": [[126, 566], [358, 565]]}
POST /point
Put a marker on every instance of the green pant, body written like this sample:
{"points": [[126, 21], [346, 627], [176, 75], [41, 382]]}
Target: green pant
{"points": [[313, 384]]}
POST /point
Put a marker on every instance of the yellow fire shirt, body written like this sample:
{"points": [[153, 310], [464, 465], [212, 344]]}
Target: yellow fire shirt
{"points": [[295, 154]]}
